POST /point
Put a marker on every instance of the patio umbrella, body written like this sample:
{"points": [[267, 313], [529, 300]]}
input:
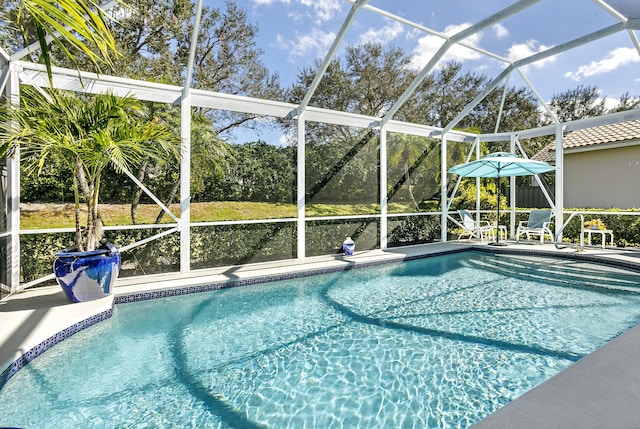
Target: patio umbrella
{"points": [[501, 164]]}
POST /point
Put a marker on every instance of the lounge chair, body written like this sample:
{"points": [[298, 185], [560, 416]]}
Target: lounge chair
{"points": [[538, 224], [473, 228]]}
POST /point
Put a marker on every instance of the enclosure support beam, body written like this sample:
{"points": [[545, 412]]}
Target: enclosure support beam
{"points": [[301, 187], [192, 48], [512, 191], [383, 190], [541, 100], [477, 144], [443, 189], [502, 100], [635, 40], [12, 91], [559, 182], [184, 225]]}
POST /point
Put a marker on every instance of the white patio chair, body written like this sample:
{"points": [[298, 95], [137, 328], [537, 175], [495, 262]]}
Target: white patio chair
{"points": [[473, 228], [538, 224]]}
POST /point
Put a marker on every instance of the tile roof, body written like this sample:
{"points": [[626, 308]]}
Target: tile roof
{"points": [[614, 133]]}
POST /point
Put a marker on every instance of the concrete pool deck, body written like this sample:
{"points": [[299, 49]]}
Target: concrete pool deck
{"points": [[601, 390]]}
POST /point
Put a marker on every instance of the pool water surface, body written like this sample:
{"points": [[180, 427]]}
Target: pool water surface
{"points": [[435, 342]]}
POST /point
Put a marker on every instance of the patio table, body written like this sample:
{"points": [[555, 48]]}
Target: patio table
{"points": [[501, 230], [602, 232]]}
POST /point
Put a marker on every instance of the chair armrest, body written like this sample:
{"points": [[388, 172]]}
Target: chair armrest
{"points": [[523, 223], [484, 224]]}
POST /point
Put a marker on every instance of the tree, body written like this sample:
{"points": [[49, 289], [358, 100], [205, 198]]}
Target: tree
{"points": [[578, 103], [210, 157], [86, 135], [448, 92], [627, 102], [353, 85], [259, 172]]}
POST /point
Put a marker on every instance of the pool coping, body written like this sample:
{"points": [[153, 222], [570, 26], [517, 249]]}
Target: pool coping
{"points": [[36, 320]]}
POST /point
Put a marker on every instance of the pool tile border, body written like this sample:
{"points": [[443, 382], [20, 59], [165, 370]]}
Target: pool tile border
{"points": [[36, 351], [39, 349]]}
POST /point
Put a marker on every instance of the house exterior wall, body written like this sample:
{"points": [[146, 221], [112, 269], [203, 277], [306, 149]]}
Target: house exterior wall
{"points": [[603, 178]]}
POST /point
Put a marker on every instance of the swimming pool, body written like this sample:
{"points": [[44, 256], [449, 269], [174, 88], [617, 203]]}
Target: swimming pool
{"points": [[436, 342]]}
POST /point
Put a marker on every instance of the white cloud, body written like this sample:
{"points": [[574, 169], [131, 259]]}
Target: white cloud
{"points": [[317, 42], [531, 47], [382, 35], [610, 103], [270, 1], [616, 58], [500, 31], [413, 34], [324, 10], [288, 139], [429, 45]]}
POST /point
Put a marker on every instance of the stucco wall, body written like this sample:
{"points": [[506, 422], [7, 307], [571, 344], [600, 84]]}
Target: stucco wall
{"points": [[603, 178]]}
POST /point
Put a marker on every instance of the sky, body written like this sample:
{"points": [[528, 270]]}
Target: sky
{"points": [[295, 33]]}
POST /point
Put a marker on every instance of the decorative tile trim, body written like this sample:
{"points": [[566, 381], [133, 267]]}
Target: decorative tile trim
{"points": [[36, 351]]}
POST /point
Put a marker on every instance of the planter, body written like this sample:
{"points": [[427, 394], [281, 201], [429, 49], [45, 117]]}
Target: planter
{"points": [[348, 246], [85, 276]]}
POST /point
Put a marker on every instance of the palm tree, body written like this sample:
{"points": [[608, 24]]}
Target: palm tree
{"points": [[87, 135], [72, 25]]}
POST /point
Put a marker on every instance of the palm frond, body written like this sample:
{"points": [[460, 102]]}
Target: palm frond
{"points": [[81, 24]]}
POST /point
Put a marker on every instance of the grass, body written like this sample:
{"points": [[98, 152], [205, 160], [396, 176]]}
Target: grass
{"points": [[43, 216]]}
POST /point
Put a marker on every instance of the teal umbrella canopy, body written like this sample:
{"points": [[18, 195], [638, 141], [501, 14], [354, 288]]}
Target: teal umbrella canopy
{"points": [[501, 164]]}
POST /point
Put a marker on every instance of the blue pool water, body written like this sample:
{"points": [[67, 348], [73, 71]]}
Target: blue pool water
{"points": [[436, 342]]}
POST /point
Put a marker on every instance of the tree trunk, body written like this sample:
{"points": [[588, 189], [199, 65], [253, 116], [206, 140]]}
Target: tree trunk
{"points": [[135, 200], [82, 181], [408, 177], [76, 198], [91, 233], [170, 198]]}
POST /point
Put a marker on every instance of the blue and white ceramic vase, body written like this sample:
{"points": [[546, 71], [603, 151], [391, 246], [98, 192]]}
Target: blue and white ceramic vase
{"points": [[85, 276], [348, 246]]}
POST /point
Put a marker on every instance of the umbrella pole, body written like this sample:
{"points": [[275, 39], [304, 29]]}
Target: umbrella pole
{"points": [[497, 242]]}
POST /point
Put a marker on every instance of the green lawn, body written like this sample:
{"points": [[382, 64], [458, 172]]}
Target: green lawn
{"points": [[39, 216]]}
